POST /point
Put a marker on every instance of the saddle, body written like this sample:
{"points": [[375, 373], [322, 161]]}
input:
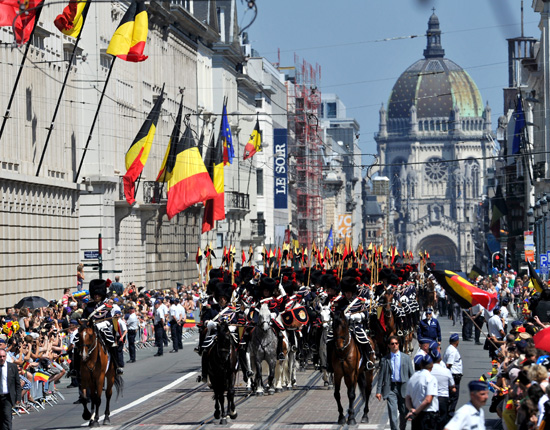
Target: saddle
{"points": [[294, 319]]}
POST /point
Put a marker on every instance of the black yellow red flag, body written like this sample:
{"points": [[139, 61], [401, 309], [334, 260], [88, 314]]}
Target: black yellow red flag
{"points": [[214, 209], [464, 293], [71, 21], [254, 144], [189, 181], [128, 42], [535, 278], [170, 156], [137, 155]]}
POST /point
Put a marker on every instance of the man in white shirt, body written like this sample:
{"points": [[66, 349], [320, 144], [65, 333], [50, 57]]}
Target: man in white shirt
{"points": [[471, 416], [159, 320], [445, 384], [120, 336], [181, 320], [453, 361], [133, 327], [173, 320], [496, 330], [421, 398]]}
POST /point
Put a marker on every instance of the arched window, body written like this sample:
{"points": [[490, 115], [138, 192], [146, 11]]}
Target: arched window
{"points": [[474, 171]]}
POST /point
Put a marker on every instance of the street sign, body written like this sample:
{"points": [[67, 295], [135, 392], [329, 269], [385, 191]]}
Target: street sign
{"points": [[91, 255], [543, 260], [544, 270]]}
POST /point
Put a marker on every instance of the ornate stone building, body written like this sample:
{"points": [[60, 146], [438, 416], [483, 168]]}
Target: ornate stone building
{"points": [[433, 141]]}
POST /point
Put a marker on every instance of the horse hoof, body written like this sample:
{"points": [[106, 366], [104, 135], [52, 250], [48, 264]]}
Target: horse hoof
{"points": [[233, 415], [342, 420], [106, 421], [217, 415], [223, 421], [365, 419], [94, 423], [259, 393], [277, 390], [326, 384], [352, 422]]}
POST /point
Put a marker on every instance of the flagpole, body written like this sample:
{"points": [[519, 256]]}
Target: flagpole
{"points": [[19, 72], [94, 121], [50, 128]]}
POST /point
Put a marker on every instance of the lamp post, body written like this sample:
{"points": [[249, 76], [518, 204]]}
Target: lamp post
{"points": [[544, 207], [538, 235]]}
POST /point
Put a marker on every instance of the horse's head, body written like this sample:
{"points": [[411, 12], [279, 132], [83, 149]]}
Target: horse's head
{"points": [[264, 320], [87, 341], [340, 331], [325, 315]]}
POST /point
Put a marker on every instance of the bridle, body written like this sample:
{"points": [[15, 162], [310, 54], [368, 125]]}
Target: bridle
{"points": [[348, 341]]}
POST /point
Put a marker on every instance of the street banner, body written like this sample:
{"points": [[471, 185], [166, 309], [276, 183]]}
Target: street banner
{"points": [[280, 183]]}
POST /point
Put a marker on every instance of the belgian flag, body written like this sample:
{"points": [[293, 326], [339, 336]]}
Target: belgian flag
{"points": [[189, 182], [254, 144], [214, 209], [464, 293], [21, 16], [71, 21], [137, 155], [129, 39], [170, 157], [535, 278]]}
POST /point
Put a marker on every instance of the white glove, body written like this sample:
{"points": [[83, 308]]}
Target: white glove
{"points": [[211, 325], [357, 317], [282, 291]]}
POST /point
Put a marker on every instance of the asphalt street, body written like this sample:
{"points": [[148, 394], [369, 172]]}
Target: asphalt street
{"points": [[169, 376]]}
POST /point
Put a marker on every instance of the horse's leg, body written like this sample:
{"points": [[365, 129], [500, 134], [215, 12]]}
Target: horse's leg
{"points": [[259, 382], [108, 394], [337, 382], [278, 373], [369, 376], [221, 398], [231, 398], [217, 413], [351, 383]]}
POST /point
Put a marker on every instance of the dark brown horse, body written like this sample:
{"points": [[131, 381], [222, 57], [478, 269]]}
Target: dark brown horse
{"points": [[222, 369], [347, 364], [95, 369]]}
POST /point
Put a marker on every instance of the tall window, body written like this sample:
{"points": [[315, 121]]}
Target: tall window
{"points": [[260, 182], [331, 110]]}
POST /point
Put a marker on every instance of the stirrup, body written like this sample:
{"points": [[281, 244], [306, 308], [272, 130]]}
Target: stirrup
{"points": [[399, 333]]}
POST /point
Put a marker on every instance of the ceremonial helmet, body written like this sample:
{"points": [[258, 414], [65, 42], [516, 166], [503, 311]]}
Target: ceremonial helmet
{"points": [[330, 281], [267, 283], [349, 284], [98, 287], [223, 289]]}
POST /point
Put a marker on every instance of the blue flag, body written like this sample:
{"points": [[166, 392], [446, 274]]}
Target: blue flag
{"points": [[228, 151], [329, 242], [519, 126]]}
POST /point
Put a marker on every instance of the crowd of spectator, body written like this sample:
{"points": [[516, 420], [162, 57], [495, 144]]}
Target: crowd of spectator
{"points": [[41, 341]]}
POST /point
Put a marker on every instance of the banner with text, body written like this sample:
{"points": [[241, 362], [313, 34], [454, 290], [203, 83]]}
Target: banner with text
{"points": [[343, 226], [280, 183]]}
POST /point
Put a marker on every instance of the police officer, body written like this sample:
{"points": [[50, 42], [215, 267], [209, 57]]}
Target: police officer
{"points": [[471, 416], [429, 327], [453, 361], [421, 398]]}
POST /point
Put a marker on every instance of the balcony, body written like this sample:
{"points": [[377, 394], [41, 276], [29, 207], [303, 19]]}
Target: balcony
{"points": [[237, 203], [153, 192], [257, 227]]}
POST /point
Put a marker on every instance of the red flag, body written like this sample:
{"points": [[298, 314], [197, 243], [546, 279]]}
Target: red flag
{"points": [[279, 254], [345, 253], [21, 20], [244, 258]]}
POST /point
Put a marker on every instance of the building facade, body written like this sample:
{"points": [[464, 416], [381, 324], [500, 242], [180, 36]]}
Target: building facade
{"points": [[433, 145]]}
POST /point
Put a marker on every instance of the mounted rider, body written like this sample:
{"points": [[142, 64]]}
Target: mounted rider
{"points": [[219, 311], [354, 308], [276, 304], [99, 312]]}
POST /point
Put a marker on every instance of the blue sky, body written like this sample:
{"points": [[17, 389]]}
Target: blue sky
{"points": [[343, 38]]}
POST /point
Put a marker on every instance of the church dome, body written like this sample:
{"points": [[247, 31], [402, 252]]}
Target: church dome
{"points": [[434, 85]]}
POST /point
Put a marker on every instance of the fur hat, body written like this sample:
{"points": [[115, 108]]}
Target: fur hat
{"points": [[223, 289], [98, 287], [269, 284], [348, 284]]}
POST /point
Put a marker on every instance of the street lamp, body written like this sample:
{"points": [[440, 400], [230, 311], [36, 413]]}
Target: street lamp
{"points": [[531, 218], [544, 207]]}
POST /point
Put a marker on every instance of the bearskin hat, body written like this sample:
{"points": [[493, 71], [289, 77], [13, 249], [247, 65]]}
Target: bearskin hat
{"points": [[98, 287], [330, 281], [348, 284], [247, 273], [315, 277], [223, 289], [384, 274], [393, 279], [267, 283]]}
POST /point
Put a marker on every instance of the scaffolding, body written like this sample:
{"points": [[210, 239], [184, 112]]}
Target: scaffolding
{"points": [[304, 101]]}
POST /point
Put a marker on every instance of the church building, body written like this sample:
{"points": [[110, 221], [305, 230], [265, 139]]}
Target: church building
{"points": [[434, 141]]}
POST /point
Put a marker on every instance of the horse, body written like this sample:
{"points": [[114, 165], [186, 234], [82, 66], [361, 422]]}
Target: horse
{"points": [[222, 368], [347, 364], [96, 368], [263, 344], [323, 359]]}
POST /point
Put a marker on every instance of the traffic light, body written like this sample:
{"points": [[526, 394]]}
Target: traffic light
{"points": [[498, 262], [508, 266]]}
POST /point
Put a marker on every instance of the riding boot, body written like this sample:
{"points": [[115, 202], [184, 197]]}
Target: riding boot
{"points": [[330, 347], [202, 336], [204, 369], [280, 354]]}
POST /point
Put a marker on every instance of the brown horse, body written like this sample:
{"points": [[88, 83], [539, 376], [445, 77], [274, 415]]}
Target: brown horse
{"points": [[95, 369], [347, 364]]}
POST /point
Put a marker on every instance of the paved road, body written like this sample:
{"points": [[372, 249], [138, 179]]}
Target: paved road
{"points": [[162, 393]]}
